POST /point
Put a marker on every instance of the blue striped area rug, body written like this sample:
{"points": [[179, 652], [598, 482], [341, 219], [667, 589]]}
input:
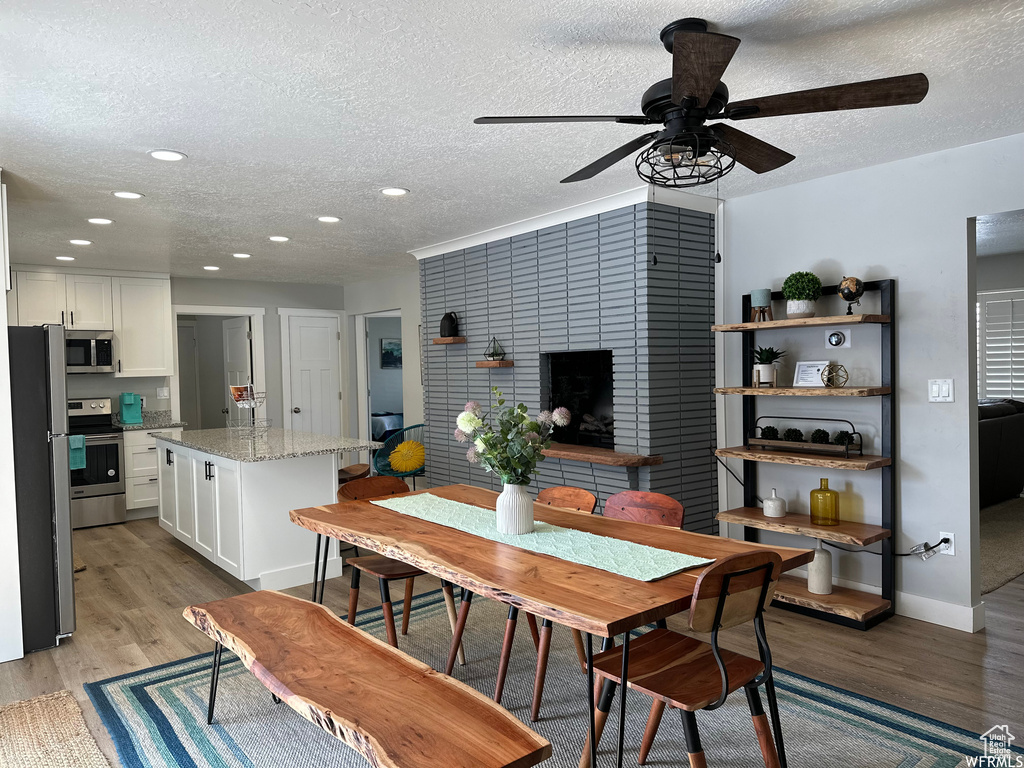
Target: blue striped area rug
{"points": [[157, 716]]}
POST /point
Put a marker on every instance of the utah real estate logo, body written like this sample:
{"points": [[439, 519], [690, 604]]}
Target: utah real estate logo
{"points": [[998, 750]]}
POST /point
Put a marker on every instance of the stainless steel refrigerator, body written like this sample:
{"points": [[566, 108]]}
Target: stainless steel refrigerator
{"points": [[42, 484]]}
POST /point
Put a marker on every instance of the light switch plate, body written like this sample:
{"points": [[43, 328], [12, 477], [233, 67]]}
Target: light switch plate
{"points": [[940, 391], [163, 393]]}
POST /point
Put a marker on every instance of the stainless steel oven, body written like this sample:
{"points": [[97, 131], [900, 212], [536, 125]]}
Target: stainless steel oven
{"points": [[97, 490], [89, 351]]}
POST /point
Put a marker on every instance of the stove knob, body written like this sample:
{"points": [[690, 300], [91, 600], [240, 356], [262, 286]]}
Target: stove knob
{"points": [[92, 405]]}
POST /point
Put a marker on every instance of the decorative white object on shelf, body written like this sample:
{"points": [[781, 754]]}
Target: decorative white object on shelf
{"points": [[774, 506], [514, 510], [819, 572], [765, 375], [797, 308]]}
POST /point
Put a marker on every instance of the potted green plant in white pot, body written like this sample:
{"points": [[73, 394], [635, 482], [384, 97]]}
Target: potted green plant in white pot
{"points": [[764, 365], [801, 290]]}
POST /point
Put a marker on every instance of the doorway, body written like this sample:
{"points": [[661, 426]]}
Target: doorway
{"points": [[311, 370], [379, 366]]}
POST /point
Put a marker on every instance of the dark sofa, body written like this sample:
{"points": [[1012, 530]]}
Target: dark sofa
{"points": [[1000, 450]]}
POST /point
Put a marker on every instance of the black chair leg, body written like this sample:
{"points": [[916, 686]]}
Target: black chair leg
{"points": [[773, 709], [275, 697], [218, 649], [692, 737]]}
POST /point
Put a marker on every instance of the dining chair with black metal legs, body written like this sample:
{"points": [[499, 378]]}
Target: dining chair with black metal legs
{"points": [[688, 674]]}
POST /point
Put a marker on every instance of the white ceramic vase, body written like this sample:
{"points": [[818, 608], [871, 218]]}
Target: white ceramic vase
{"points": [[774, 506], [514, 510], [764, 374], [819, 572], [799, 308]]}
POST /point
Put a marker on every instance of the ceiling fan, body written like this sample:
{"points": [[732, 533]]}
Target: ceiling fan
{"points": [[686, 151]]}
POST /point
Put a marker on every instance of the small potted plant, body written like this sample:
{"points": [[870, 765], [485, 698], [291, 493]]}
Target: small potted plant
{"points": [[801, 290], [793, 435], [764, 367]]}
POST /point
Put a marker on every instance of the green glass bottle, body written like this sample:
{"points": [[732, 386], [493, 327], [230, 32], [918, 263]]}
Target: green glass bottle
{"points": [[824, 505]]}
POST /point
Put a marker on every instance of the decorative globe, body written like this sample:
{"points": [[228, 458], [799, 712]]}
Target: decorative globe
{"points": [[834, 375], [851, 289]]}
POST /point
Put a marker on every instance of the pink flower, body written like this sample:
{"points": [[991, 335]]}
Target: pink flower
{"points": [[471, 455], [473, 407], [461, 436], [532, 436], [561, 417], [545, 417]]}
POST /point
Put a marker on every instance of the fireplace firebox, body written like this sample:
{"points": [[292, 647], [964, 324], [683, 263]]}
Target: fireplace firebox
{"points": [[582, 382]]}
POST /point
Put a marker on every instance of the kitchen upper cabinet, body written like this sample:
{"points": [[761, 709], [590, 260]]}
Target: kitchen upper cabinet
{"points": [[143, 336], [42, 298], [90, 305]]}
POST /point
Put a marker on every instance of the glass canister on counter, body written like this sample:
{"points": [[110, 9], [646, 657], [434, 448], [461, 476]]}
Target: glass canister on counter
{"points": [[824, 505]]}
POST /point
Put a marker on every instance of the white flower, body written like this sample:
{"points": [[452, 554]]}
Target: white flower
{"points": [[480, 445], [544, 417], [468, 422], [561, 417]]}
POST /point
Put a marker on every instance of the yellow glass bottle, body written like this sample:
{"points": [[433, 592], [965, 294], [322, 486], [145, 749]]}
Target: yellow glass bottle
{"points": [[824, 505]]}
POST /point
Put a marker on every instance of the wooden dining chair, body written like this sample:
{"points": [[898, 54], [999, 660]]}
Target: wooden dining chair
{"points": [[690, 675], [353, 472], [568, 497]]}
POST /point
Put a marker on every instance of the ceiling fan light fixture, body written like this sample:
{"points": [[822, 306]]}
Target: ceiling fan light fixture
{"points": [[685, 160]]}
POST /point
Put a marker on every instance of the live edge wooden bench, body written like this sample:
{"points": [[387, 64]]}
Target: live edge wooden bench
{"points": [[394, 710]]}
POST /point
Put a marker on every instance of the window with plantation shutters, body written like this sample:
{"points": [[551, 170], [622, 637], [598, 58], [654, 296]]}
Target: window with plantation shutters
{"points": [[1001, 344]]}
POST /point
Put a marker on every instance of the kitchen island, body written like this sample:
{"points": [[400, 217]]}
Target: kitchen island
{"points": [[227, 496]]}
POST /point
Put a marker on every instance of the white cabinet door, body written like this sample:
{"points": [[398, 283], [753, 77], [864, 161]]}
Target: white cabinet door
{"points": [[90, 304], [168, 489], [41, 298], [228, 553], [141, 491], [205, 504], [184, 516], [142, 326]]}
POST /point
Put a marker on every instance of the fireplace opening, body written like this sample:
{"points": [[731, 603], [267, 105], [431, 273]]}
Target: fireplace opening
{"points": [[582, 382]]}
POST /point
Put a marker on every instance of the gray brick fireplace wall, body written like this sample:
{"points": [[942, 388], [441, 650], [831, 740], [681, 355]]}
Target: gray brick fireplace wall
{"points": [[638, 281]]}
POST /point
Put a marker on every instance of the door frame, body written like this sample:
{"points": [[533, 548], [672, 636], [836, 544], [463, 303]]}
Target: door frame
{"points": [[363, 369], [259, 369], [195, 355], [286, 314]]}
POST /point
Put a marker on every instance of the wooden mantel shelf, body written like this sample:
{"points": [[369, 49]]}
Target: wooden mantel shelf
{"points": [[858, 534], [605, 456], [494, 363], [449, 340], [806, 391], [855, 462], [802, 322]]}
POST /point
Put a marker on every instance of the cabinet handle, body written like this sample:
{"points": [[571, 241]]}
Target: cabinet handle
{"points": [[62, 317], [152, 479], [151, 449], [170, 457], [118, 366], [72, 317]]}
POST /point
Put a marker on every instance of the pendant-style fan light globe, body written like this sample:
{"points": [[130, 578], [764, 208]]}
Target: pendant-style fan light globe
{"points": [[687, 151]]}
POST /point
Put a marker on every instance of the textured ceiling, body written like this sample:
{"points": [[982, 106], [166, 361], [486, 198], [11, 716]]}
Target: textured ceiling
{"points": [[290, 109], [1000, 233]]}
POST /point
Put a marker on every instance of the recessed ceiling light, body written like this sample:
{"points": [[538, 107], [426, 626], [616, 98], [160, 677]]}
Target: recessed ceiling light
{"points": [[211, 269], [80, 242], [167, 154], [394, 191], [65, 258], [328, 219], [100, 221], [242, 255], [127, 195], [279, 238]]}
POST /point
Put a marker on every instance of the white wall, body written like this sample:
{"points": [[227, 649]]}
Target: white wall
{"points": [[11, 646], [107, 385], [1004, 272], [385, 383], [400, 291], [271, 296], [907, 220]]}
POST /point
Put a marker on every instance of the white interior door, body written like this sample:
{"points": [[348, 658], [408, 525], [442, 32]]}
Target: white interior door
{"points": [[314, 371], [188, 371], [237, 359]]}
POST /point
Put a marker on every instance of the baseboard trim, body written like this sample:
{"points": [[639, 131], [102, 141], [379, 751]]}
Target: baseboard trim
{"points": [[966, 618], [294, 576]]}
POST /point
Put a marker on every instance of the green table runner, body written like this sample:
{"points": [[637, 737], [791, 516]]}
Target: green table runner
{"points": [[626, 558]]}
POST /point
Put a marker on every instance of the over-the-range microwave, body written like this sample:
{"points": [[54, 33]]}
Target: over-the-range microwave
{"points": [[89, 351]]}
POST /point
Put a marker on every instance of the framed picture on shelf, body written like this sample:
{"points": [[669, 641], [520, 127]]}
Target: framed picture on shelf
{"points": [[390, 353], [808, 373]]}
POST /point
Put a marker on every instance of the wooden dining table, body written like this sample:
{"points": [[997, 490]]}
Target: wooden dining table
{"points": [[594, 601]]}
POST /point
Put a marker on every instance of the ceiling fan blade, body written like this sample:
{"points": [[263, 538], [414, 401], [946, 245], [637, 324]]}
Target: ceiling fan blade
{"points": [[611, 158], [699, 60], [759, 156], [886, 92], [639, 120]]}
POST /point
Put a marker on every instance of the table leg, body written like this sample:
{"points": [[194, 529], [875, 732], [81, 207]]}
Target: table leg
{"points": [[323, 572], [592, 736], [542, 668], [316, 566], [506, 651], [460, 627], [622, 698], [449, 604]]}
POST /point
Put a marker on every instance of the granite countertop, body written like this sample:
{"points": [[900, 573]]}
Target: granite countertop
{"points": [[276, 444], [150, 420]]}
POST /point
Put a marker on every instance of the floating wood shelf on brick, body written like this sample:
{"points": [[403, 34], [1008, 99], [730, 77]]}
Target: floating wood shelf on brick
{"points": [[805, 391], [858, 534], [590, 455], [802, 322], [859, 606], [494, 363], [859, 463], [449, 340]]}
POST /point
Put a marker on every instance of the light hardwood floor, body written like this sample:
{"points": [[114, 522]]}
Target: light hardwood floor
{"points": [[139, 578]]}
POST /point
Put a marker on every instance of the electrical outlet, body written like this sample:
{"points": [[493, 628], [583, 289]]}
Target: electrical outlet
{"points": [[947, 549], [142, 400]]}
